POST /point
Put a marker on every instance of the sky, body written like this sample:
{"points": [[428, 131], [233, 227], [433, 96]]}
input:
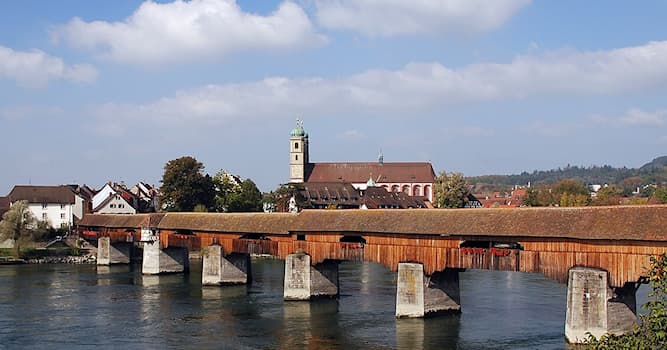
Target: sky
{"points": [[97, 91]]}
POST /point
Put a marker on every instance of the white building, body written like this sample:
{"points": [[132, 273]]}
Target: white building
{"points": [[59, 206], [113, 199]]}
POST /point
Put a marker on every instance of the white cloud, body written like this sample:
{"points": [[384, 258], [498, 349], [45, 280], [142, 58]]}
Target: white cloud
{"points": [[638, 117], [416, 88], [184, 31], [28, 111], [36, 68], [385, 18], [351, 135]]}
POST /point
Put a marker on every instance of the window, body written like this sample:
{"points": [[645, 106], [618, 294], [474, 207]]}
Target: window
{"points": [[62, 215], [44, 216], [44, 205], [62, 207], [121, 205], [112, 205], [296, 145], [296, 157]]}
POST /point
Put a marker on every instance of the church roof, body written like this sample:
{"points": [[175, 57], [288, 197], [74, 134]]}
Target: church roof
{"points": [[358, 172]]}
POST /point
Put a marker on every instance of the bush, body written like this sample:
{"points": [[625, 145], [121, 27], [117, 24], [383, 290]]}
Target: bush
{"points": [[651, 332]]}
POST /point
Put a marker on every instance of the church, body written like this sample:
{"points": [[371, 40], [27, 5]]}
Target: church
{"points": [[414, 179]]}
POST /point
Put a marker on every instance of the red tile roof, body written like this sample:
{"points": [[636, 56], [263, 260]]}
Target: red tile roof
{"points": [[360, 172]]}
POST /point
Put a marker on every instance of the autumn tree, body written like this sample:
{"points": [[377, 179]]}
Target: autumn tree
{"points": [[16, 224], [184, 185], [451, 190], [608, 195]]}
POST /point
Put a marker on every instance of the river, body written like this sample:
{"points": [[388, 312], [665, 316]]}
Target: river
{"points": [[86, 306]]}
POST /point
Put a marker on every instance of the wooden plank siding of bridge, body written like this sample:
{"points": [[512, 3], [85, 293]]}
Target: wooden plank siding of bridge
{"points": [[619, 239]]}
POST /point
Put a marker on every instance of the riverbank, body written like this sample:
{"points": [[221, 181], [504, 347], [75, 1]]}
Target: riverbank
{"points": [[68, 259]]}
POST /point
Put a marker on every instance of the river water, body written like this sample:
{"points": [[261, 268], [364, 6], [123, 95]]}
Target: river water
{"points": [[85, 306]]}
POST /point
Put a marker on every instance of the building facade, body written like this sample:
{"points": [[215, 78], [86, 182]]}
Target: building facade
{"points": [[58, 206], [411, 178]]}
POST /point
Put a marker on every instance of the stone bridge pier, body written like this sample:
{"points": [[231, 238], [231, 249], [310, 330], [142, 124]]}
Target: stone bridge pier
{"points": [[593, 306], [157, 260], [221, 269], [110, 253], [418, 295], [304, 281]]}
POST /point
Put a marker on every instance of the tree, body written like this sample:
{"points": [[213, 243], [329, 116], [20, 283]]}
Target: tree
{"points": [[661, 194], [607, 195], [247, 199], [451, 190], [281, 197], [651, 332], [16, 224], [571, 193], [224, 187], [184, 185]]}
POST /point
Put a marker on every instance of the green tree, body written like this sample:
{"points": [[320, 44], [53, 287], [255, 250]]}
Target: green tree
{"points": [[224, 188], [247, 199], [651, 332], [451, 190], [184, 185], [16, 224], [661, 194]]}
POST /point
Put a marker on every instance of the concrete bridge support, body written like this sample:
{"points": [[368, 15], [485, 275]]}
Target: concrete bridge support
{"points": [[113, 253], [168, 260], [593, 306], [219, 269], [304, 281], [418, 295]]}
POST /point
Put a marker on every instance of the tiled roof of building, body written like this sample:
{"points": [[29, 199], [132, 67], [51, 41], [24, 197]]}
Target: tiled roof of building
{"points": [[331, 193], [394, 172], [379, 197], [42, 194]]}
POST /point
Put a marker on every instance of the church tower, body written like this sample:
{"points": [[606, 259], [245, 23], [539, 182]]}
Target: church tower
{"points": [[298, 153]]}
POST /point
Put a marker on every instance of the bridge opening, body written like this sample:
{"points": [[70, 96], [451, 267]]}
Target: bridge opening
{"points": [[353, 239], [301, 237], [185, 232], [491, 244], [254, 236]]}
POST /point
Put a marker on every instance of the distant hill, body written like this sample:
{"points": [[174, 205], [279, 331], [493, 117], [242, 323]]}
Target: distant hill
{"points": [[649, 173]]}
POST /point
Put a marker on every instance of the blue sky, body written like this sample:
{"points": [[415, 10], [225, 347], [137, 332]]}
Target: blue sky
{"points": [[96, 91]]}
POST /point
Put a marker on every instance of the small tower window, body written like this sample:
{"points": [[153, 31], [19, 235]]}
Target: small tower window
{"points": [[296, 145], [296, 157]]}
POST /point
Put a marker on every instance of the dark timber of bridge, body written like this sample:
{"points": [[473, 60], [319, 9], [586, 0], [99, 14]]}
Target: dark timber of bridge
{"points": [[617, 239]]}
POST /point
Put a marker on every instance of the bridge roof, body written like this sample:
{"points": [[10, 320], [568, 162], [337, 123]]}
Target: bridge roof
{"points": [[274, 223], [120, 220], [617, 222], [647, 223]]}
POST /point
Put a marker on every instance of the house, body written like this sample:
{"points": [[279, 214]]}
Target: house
{"points": [[59, 206], [412, 178], [147, 196], [114, 198]]}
